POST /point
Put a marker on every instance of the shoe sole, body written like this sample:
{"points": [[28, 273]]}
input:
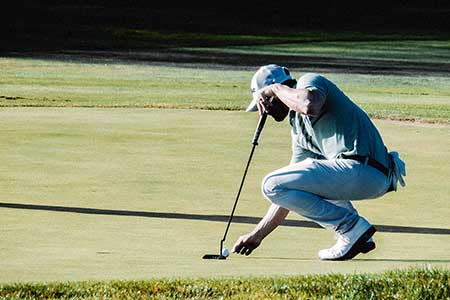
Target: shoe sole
{"points": [[359, 246]]}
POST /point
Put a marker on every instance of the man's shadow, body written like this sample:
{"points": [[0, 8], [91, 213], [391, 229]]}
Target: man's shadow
{"points": [[210, 218]]}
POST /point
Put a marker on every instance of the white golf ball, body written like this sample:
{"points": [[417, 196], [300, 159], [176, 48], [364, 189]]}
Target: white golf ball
{"points": [[225, 252]]}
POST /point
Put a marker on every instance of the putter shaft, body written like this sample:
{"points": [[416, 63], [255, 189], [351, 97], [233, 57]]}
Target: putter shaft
{"points": [[262, 121]]}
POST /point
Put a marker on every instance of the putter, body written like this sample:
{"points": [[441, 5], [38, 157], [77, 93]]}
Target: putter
{"points": [[262, 121]]}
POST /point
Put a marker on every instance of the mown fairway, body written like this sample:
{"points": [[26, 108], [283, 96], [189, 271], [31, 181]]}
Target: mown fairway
{"points": [[120, 193]]}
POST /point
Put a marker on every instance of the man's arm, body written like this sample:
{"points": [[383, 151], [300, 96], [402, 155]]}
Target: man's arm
{"points": [[303, 101], [249, 242]]}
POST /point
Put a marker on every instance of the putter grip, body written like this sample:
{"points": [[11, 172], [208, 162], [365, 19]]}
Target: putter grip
{"points": [[262, 121]]}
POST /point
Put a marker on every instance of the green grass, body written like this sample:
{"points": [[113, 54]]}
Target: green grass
{"points": [[410, 284], [50, 83], [188, 162], [400, 50], [89, 167], [107, 83]]}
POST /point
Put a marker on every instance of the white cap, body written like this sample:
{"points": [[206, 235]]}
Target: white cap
{"points": [[266, 75]]}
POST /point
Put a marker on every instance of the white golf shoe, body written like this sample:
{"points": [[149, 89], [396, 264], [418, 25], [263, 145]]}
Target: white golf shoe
{"points": [[366, 248], [348, 245]]}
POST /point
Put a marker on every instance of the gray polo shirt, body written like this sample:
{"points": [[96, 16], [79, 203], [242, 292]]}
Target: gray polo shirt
{"points": [[342, 128]]}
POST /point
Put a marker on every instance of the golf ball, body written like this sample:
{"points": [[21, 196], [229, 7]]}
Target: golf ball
{"points": [[225, 252]]}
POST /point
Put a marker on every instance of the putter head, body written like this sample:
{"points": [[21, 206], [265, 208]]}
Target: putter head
{"points": [[213, 256]]}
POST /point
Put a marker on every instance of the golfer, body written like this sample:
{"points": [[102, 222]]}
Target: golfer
{"points": [[338, 156]]}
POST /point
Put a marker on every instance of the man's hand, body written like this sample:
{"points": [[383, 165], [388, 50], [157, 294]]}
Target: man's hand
{"points": [[265, 95], [249, 242], [268, 102], [246, 244]]}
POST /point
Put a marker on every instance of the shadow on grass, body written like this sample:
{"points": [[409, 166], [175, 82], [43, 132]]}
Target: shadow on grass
{"points": [[225, 60], [211, 218]]}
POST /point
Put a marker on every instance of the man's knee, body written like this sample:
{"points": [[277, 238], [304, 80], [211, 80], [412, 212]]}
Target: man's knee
{"points": [[271, 186], [276, 189]]}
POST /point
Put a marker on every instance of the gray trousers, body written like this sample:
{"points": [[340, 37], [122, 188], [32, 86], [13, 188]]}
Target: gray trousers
{"points": [[321, 190]]}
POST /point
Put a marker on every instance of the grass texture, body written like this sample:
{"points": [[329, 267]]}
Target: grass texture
{"points": [[68, 156], [410, 284], [164, 174], [102, 83], [423, 51]]}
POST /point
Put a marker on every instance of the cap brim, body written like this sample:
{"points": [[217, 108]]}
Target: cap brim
{"points": [[252, 107]]}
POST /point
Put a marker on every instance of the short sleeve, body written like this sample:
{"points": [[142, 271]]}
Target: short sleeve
{"points": [[313, 82]]}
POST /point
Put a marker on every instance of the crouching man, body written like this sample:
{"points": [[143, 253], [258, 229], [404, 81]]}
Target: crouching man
{"points": [[338, 156]]}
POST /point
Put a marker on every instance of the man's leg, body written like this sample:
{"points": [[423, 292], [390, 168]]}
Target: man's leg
{"points": [[303, 188], [343, 203], [370, 244]]}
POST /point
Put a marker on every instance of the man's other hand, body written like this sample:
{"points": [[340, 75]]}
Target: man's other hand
{"points": [[246, 244]]}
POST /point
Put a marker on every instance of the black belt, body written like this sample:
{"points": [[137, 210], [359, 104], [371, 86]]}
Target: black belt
{"points": [[370, 162]]}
